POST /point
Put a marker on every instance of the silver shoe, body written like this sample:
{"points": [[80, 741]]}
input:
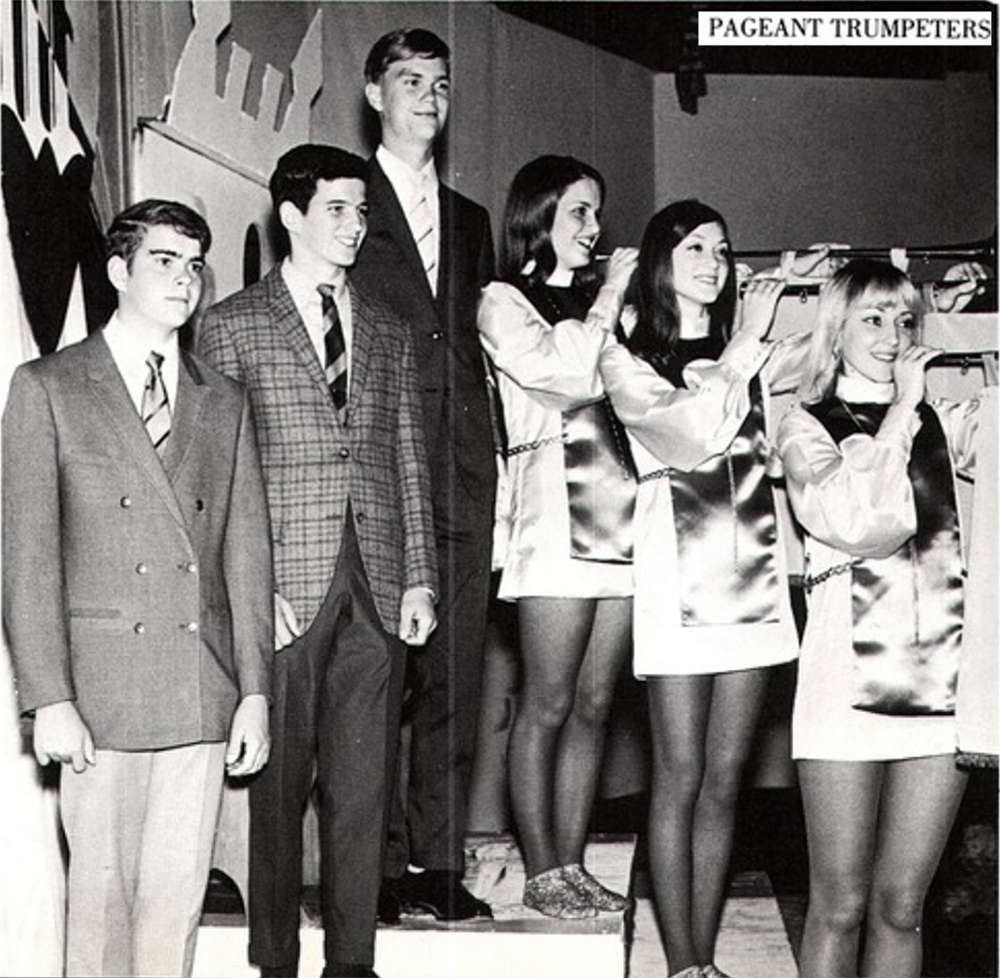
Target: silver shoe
{"points": [[552, 894], [599, 896]]}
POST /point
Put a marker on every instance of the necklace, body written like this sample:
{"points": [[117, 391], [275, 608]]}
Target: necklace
{"points": [[853, 417]]}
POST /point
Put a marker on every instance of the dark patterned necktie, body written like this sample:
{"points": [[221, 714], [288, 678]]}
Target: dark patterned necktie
{"points": [[335, 366], [155, 404]]}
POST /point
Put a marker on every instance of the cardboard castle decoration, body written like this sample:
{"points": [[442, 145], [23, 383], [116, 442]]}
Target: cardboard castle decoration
{"points": [[211, 154]]}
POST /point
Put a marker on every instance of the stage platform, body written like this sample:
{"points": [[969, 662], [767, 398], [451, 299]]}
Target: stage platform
{"points": [[520, 943]]}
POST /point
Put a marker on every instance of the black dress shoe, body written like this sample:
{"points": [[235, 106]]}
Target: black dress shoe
{"points": [[441, 893], [388, 902], [279, 971], [344, 969]]}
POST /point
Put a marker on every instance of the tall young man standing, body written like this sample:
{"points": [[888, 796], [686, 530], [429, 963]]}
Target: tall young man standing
{"points": [[428, 254]]}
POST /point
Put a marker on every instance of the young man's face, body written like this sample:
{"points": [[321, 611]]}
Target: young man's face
{"points": [[333, 226], [412, 100], [163, 283]]}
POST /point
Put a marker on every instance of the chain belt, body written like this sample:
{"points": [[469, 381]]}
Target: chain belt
{"points": [[810, 581], [530, 446]]}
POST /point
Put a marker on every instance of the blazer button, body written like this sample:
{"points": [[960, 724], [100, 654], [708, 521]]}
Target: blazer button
{"points": [[125, 502], [191, 626], [345, 453], [436, 335], [141, 569], [191, 567], [139, 628], [361, 517], [199, 505]]}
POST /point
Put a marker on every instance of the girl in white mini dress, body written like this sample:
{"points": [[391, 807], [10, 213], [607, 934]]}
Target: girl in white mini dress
{"points": [[564, 545], [869, 467], [711, 601]]}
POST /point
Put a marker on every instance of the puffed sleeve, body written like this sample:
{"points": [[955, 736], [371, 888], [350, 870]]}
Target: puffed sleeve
{"points": [[855, 497], [960, 420], [556, 363], [786, 359], [683, 426]]}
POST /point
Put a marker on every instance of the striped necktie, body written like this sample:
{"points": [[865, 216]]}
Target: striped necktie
{"points": [[155, 407], [422, 226], [335, 348]]}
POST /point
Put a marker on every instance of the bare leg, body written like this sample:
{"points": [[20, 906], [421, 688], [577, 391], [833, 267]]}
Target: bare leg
{"points": [[581, 745], [919, 800], [841, 801], [554, 637], [737, 698]]}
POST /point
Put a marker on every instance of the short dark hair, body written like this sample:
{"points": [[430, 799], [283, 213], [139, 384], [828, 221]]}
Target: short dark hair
{"points": [[651, 292], [128, 229], [531, 208], [300, 169], [401, 45]]}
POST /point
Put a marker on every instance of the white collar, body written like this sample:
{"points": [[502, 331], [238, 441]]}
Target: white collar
{"points": [[404, 179], [860, 390]]}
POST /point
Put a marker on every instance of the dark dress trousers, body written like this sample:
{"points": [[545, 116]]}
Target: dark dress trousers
{"points": [[445, 677]]}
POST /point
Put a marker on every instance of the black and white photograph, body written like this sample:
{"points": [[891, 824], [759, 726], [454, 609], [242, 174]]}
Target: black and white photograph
{"points": [[499, 490]]}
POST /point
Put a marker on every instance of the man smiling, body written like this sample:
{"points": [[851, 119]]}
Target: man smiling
{"points": [[428, 254], [332, 382]]}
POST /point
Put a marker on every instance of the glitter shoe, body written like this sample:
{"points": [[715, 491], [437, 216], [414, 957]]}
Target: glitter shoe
{"points": [[552, 894], [710, 971], [600, 897]]}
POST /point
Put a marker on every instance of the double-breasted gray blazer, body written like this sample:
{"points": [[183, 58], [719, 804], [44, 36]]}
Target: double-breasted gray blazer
{"points": [[314, 463], [139, 589]]}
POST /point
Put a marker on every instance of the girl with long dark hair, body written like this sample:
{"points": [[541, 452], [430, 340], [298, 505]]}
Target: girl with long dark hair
{"points": [[566, 504]]}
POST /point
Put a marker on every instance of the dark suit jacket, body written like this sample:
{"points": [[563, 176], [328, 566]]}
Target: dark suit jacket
{"points": [[313, 463], [449, 358], [141, 590]]}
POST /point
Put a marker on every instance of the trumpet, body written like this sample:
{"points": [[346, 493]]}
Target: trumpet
{"points": [[984, 251], [803, 290]]}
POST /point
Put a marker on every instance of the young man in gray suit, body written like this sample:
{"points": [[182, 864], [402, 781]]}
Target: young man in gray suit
{"points": [[333, 383], [137, 598], [429, 253]]}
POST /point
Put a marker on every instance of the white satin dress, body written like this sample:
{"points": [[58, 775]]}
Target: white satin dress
{"points": [[855, 499]]}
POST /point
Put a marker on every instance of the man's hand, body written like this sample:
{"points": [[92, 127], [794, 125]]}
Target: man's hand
{"points": [[416, 616], [249, 740], [286, 625], [63, 737]]}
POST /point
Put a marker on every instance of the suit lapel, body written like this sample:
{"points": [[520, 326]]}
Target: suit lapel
{"points": [[192, 398], [109, 389], [449, 249], [287, 321], [398, 228], [362, 343]]}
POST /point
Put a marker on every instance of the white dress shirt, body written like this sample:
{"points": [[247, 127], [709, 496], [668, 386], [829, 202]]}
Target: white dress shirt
{"points": [[309, 303], [129, 351], [408, 185]]}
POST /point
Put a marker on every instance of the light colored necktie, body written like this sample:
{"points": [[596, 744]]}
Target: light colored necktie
{"points": [[422, 226], [155, 404], [335, 348]]}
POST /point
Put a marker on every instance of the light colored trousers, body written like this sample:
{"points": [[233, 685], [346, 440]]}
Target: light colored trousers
{"points": [[140, 827]]}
